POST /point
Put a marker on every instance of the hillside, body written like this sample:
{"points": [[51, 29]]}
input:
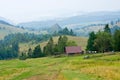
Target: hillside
{"points": [[97, 67], [6, 29], [81, 41]]}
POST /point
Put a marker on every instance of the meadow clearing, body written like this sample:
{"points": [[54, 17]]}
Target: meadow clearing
{"points": [[98, 67]]}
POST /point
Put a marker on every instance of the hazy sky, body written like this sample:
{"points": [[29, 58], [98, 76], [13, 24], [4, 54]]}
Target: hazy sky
{"points": [[28, 10]]}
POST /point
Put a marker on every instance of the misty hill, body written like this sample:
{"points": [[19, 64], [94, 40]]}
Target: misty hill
{"points": [[81, 24], [94, 17], [115, 27], [54, 28], [5, 21]]}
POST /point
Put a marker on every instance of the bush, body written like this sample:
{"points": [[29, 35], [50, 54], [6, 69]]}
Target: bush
{"points": [[22, 56]]}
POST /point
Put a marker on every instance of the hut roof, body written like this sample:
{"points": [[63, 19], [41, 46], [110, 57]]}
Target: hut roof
{"points": [[73, 49]]}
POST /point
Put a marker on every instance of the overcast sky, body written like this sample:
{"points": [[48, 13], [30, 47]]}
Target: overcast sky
{"points": [[28, 10]]}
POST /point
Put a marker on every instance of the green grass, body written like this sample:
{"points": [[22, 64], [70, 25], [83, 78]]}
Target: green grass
{"points": [[97, 67]]}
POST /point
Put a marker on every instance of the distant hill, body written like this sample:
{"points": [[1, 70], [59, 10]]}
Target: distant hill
{"points": [[7, 28], [79, 23], [54, 28], [115, 27], [3, 22], [97, 17], [6, 21], [82, 25]]}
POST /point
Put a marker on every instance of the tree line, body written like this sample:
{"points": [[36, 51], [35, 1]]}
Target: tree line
{"points": [[9, 46], [104, 41], [50, 49], [64, 31]]}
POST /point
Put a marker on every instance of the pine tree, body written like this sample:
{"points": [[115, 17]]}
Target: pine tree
{"points": [[116, 37], [90, 43], [62, 42], [107, 29], [37, 52], [48, 49], [64, 39], [71, 32], [30, 53], [23, 56], [66, 31], [15, 49]]}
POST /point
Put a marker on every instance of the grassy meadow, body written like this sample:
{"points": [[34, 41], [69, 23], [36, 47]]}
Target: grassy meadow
{"points": [[97, 67]]}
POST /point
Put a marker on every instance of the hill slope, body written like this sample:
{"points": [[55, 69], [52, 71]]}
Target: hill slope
{"points": [[6, 29], [81, 41]]}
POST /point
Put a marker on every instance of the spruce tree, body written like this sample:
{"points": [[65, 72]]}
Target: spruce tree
{"points": [[90, 43], [48, 49], [116, 37], [71, 32], [107, 29], [30, 53], [62, 41], [37, 52]]}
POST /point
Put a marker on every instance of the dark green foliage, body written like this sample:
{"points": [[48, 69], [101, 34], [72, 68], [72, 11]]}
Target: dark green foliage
{"points": [[117, 40], [62, 41], [64, 31], [60, 44], [9, 46], [71, 43], [30, 53], [51, 49], [9, 51], [23, 56], [15, 46], [24, 37], [90, 44], [56, 50], [72, 33], [37, 52], [103, 42], [107, 29], [48, 49]]}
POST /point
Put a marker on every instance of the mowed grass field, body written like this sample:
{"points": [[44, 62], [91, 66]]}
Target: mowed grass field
{"points": [[97, 67], [80, 41]]}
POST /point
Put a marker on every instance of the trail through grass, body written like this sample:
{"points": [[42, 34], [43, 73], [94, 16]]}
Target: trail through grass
{"points": [[97, 67]]}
